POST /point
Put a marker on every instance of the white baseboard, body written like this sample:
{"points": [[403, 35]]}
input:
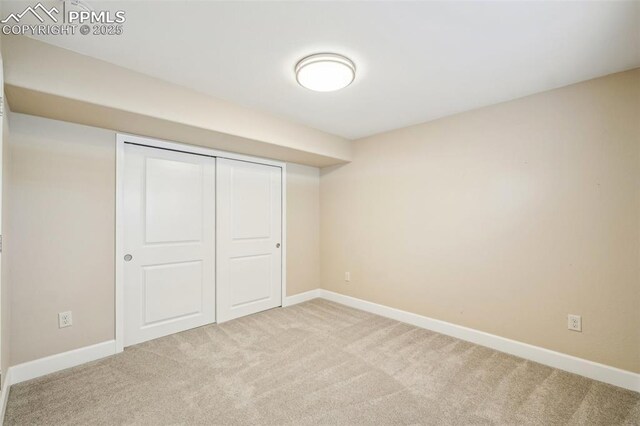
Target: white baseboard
{"points": [[6, 386], [301, 297], [51, 364], [593, 370]]}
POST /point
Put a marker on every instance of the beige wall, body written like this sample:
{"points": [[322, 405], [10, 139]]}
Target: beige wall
{"points": [[5, 297], [62, 215], [504, 219], [62, 225], [303, 228], [5, 288]]}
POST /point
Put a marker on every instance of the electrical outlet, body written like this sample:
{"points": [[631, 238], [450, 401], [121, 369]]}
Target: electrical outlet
{"points": [[347, 276], [575, 322], [65, 319]]}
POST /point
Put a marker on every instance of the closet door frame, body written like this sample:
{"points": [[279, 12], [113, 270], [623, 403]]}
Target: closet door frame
{"points": [[121, 140]]}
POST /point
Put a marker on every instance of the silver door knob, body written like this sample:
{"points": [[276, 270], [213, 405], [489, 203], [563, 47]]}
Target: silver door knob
{"points": [[278, 245], [127, 257]]}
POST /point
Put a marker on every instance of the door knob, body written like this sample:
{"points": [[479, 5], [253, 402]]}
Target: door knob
{"points": [[127, 257], [278, 245]]}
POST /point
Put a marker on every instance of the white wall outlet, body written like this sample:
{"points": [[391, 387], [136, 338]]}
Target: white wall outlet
{"points": [[65, 319], [347, 276], [575, 322]]}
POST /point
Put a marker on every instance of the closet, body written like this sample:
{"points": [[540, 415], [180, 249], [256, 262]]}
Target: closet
{"points": [[200, 237]]}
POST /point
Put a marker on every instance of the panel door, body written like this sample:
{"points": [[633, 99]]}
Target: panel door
{"points": [[169, 241], [249, 259]]}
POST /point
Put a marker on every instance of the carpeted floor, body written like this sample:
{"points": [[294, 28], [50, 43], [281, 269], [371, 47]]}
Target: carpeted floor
{"points": [[316, 363]]}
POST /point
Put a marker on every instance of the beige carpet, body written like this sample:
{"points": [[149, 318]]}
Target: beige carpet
{"points": [[316, 363]]}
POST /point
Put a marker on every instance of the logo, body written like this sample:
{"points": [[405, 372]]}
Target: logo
{"points": [[78, 18], [34, 11]]}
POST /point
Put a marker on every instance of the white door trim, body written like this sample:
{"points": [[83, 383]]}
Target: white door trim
{"points": [[121, 139]]}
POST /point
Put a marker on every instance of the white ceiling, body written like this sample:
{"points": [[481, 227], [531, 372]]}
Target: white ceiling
{"points": [[417, 61]]}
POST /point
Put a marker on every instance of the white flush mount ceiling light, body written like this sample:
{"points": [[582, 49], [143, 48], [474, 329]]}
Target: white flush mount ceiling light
{"points": [[325, 72]]}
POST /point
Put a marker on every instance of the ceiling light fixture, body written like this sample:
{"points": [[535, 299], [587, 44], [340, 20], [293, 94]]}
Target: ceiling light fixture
{"points": [[325, 72]]}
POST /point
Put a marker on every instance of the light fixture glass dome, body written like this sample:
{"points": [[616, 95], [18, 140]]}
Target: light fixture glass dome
{"points": [[325, 72]]}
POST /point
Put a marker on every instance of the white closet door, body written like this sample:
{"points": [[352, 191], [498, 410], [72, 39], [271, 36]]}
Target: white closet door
{"points": [[169, 239], [249, 262]]}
